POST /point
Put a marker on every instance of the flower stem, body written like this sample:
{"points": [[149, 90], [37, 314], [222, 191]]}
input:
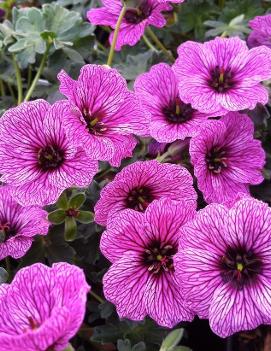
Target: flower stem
{"points": [[221, 3], [101, 46], [29, 76], [97, 297], [148, 43], [38, 74], [163, 157], [2, 88], [11, 91], [18, 79], [115, 36], [160, 45]]}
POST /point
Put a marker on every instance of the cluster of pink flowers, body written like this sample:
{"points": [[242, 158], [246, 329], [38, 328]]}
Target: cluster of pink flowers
{"points": [[169, 261]]}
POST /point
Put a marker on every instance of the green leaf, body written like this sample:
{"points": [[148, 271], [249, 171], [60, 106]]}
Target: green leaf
{"points": [[20, 45], [58, 19], [141, 346], [30, 21], [74, 55], [57, 249], [135, 64], [84, 217], [63, 201], [172, 340], [77, 200], [57, 216], [181, 348], [3, 275], [70, 229], [106, 309], [124, 345]]}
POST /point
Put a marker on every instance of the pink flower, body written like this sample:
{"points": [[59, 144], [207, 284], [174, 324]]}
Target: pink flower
{"points": [[18, 225], [42, 308], [226, 158], [173, 1], [223, 266], [141, 280], [261, 31], [102, 113], [222, 75], [38, 160], [170, 118], [138, 184], [136, 19]]}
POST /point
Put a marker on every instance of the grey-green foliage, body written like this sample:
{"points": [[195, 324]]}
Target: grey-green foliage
{"points": [[3, 275], [32, 28], [125, 345], [172, 340], [236, 27]]}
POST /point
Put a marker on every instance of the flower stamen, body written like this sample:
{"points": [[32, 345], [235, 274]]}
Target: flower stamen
{"points": [[158, 258]]}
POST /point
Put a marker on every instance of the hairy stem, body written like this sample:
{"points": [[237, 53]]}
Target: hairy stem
{"points": [[2, 88], [29, 76], [97, 297], [11, 91], [148, 43], [38, 74], [160, 45], [18, 80], [221, 3], [163, 157], [115, 36]]}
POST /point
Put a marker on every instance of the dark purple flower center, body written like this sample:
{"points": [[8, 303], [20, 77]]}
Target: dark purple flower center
{"points": [[216, 159], [94, 124], [158, 257], [50, 157], [240, 266], [139, 198], [221, 79], [7, 230], [178, 112], [139, 13]]}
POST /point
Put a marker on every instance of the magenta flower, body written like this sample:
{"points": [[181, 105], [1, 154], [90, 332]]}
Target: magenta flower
{"points": [[138, 184], [18, 225], [102, 113], [46, 307], [173, 1], [37, 158], [170, 118], [226, 158], [136, 19], [261, 31], [225, 273], [141, 247], [222, 75]]}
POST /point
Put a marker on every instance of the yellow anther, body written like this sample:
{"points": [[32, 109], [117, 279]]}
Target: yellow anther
{"points": [[94, 122], [141, 199], [240, 267], [221, 77], [178, 109]]}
